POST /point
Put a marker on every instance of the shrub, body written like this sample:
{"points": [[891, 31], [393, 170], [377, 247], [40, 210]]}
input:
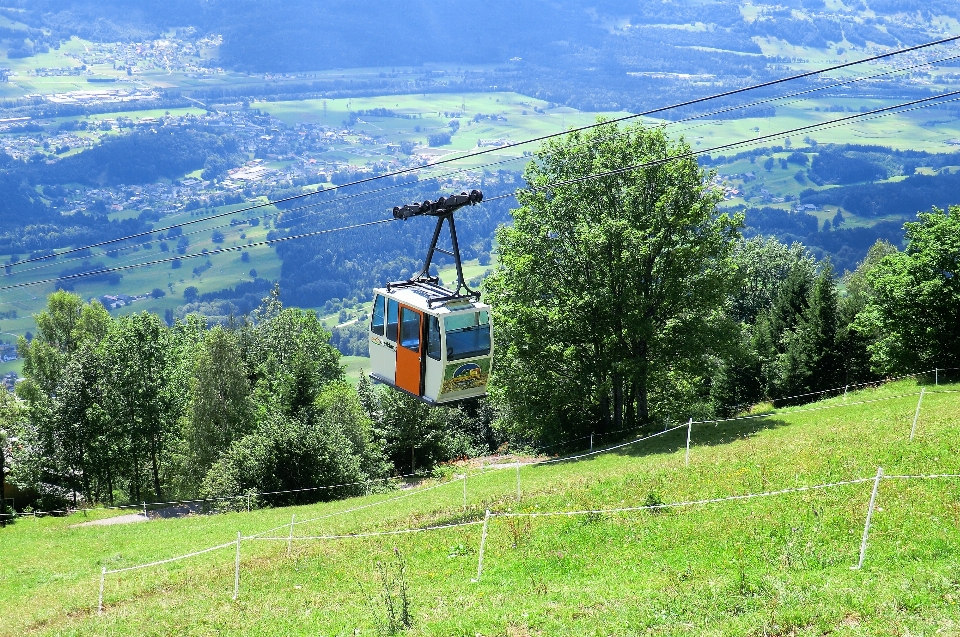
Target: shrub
{"points": [[439, 139]]}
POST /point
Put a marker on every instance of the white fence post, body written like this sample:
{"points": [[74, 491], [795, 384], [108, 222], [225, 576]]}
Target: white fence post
{"points": [[689, 427], [845, 388], [236, 572], [866, 526], [483, 543], [591, 442], [248, 503], [103, 574], [145, 510], [913, 429], [290, 539]]}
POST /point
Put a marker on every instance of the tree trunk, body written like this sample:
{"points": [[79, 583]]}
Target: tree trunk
{"points": [[136, 476], [110, 480], [156, 470], [643, 412], [617, 401], [604, 421], [631, 415]]}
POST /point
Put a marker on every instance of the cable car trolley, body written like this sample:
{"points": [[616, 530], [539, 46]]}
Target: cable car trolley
{"points": [[426, 340]]}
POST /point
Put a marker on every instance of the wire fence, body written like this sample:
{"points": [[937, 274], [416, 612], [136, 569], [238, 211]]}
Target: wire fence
{"points": [[291, 527], [845, 389], [491, 516], [249, 496], [152, 506]]}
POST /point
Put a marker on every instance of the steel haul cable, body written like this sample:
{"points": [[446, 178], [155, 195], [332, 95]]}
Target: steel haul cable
{"points": [[404, 171], [285, 213], [928, 101]]}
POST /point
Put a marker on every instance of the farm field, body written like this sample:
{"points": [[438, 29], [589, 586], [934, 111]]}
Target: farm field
{"points": [[921, 130], [770, 565], [226, 269]]}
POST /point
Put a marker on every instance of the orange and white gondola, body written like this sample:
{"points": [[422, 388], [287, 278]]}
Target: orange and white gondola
{"points": [[426, 340]]}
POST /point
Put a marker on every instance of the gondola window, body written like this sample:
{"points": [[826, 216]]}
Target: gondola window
{"points": [[392, 311], [434, 350], [377, 325], [410, 330], [468, 335]]}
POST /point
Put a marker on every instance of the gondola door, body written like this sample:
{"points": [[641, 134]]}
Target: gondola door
{"points": [[410, 351]]}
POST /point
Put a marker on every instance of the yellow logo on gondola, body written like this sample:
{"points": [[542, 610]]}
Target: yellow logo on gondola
{"points": [[465, 376]]}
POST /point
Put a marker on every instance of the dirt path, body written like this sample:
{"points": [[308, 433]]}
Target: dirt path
{"points": [[119, 519]]}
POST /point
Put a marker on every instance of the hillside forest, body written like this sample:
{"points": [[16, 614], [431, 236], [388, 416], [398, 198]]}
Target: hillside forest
{"points": [[624, 302]]}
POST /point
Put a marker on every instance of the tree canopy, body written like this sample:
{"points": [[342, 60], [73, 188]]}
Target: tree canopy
{"points": [[608, 296]]}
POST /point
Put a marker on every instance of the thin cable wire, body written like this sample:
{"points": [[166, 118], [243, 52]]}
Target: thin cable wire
{"points": [[533, 140], [672, 505], [694, 153], [847, 82], [932, 476], [305, 235], [280, 213], [173, 559], [224, 498], [350, 536], [359, 508], [687, 155], [513, 159]]}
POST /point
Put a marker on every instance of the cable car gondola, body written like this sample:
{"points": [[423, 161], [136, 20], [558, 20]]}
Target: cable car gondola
{"points": [[426, 340]]}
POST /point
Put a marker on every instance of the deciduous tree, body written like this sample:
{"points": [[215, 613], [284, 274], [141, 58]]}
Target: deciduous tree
{"points": [[609, 294]]}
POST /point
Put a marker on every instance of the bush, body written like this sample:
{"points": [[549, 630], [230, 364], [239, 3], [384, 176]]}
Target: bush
{"points": [[217, 236], [439, 139], [191, 293], [245, 257], [157, 293], [327, 445]]}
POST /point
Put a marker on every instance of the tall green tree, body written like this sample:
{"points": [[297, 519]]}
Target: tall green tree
{"points": [[763, 265], [915, 307], [609, 291], [141, 397], [329, 444], [775, 327], [63, 387], [812, 359], [289, 355], [220, 408], [858, 291], [12, 417]]}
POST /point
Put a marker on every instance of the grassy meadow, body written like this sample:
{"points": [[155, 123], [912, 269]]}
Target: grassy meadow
{"points": [[766, 566]]}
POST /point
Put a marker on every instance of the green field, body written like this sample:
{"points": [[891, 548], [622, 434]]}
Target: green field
{"points": [[226, 269], [516, 120], [356, 366], [767, 566]]}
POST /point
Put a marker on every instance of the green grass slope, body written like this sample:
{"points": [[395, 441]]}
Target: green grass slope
{"points": [[767, 566]]}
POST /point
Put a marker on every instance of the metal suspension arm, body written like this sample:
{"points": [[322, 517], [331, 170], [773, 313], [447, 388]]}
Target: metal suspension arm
{"points": [[443, 209]]}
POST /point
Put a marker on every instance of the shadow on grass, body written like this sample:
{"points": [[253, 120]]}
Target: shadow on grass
{"points": [[704, 434]]}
